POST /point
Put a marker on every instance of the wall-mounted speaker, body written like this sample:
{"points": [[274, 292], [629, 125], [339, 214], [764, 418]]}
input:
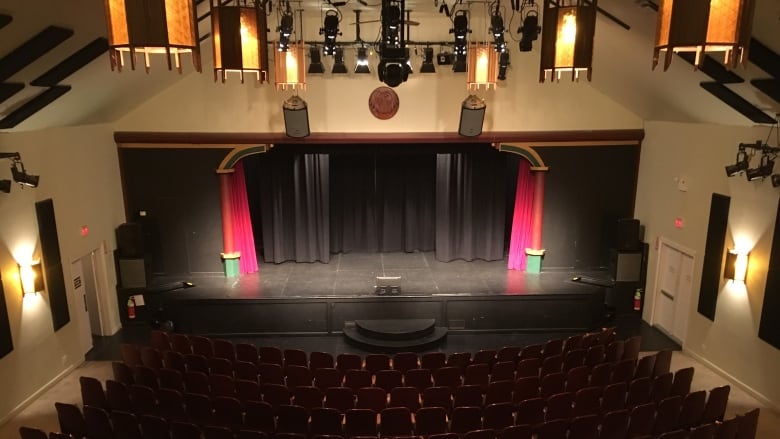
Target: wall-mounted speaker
{"points": [[628, 232], [130, 240], [296, 117], [472, 114]]}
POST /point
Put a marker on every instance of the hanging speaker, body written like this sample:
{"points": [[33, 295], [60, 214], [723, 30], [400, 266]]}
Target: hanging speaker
{"points": [[472, 114], [296, 117]]}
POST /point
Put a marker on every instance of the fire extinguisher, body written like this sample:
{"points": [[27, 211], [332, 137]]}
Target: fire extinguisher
{"points": [[131, 308], [638, 299]]}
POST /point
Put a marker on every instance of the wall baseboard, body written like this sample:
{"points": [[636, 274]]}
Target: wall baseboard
{"points": [[751, 391], [23, 405]]}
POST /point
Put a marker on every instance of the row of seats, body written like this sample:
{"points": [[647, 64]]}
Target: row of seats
{"points": [[226, 349], [641, 421]]}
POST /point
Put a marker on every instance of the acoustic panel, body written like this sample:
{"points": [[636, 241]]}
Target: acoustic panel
{"points": [[737, 102], [713, 255], [50, 250], [6, 341], [73, 63], [32, 49], [769, 328]]}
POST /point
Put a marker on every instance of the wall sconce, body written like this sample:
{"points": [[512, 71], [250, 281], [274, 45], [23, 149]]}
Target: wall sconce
{"points": [[568, 29], [31, 278], [704, 26], [291, 67], [736, 266], [482, 62], [168, 27], [240, 40]]}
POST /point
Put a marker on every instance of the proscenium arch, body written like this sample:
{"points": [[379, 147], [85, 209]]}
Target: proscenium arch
{"points": [[527, 152], [239, 152]]}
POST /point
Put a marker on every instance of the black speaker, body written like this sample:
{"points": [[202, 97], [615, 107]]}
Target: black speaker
{"points": [[130, 240], [472, 114], [627, 234], [296, 117]]}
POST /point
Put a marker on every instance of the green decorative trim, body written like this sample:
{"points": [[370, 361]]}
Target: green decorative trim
{"points": [[537, 164], [240, 152]]}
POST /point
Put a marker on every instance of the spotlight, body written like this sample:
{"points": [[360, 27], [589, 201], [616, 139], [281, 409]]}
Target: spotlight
{"points": [[285, 30], [503, 63], [764, 170], [393, 68], [460, 66], [427, 64], [740, 165], [529, 31], [362, 61], [330, 28], [296, 117], [22, 177], [338, 61], [461, 30], [5, 186], [315, 63], [497, 28], [775, 180]]}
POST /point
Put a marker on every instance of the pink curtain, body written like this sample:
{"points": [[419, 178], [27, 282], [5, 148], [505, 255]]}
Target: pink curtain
{"points": [[243, 238], [522, 217]]}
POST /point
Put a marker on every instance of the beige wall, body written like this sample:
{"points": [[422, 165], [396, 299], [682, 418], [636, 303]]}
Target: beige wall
{"points": [[699, 153], [79, 171], [428, 103]]}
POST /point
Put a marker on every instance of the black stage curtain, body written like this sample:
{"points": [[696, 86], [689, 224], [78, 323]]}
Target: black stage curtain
{"points": [[470, 206], [294, 206], [382, 202]]}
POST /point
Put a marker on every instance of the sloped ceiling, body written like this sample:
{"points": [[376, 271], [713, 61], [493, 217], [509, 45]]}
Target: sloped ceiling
{"points": [[95, 94]]}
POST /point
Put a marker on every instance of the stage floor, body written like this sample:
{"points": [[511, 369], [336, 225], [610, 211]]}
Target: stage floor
{"points": [[354, 274]]}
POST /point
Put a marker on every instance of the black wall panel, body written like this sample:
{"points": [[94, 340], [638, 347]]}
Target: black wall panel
{"points": [[179, 190], [587, 189], [769, 328], [713, 255], [6, 342], [50, 249]]}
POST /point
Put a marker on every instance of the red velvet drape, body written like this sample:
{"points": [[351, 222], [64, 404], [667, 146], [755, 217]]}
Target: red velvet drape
{"points": [[243, 238], [522, 217]]}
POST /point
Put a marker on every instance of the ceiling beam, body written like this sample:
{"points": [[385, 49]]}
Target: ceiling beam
{"points": [[33, 105], [770, 87], [4, 20], [737, 102], [73, 63], [8, 89], [32, 49]]}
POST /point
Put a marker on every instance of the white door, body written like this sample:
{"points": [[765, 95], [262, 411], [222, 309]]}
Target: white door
{"points": [[673, 291], [90, 291], [80, 299]]}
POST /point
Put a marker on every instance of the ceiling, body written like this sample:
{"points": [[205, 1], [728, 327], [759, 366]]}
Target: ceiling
{"points": [[69, 80]]}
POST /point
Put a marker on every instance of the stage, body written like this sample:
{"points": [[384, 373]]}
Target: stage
{"points": [[318, 298]]}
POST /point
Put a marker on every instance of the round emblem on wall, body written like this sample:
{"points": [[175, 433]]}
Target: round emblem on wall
{"points": [[383, 103]]}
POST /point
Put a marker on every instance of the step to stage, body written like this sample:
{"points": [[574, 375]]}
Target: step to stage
{"points": [[394, 334]]}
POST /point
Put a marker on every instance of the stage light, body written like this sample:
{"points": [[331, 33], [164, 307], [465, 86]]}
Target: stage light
{"points": [[764, 170], [5, 186], [361, 66], [503, 63], [529, 31], [741, 165], [285, 29], [315, 62], [427, 64], [461, 30], [394, 66], [775, 180], [330, 28], [338, 61], [239, 38], [497, 29], [21, 176]]}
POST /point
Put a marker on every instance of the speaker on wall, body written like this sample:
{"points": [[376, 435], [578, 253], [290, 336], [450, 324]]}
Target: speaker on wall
{"points": [[296, 117], [130, 240], [628, 231], [472, 114]]}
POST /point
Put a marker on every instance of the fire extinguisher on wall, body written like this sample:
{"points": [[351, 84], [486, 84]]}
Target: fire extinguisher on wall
{"points": [[638, 299], [131, 307]]}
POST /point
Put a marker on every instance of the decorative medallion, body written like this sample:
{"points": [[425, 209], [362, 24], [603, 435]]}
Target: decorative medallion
{"points": [[383, 103]]}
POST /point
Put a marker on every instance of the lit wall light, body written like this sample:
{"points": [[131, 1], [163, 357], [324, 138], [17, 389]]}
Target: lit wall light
{"points": [[362, 66], [338, 61], [239, 40], [736, 266], [291, 67], [568, 29], [168, 28], [31, 278], [704, 26], [482, 66]]}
